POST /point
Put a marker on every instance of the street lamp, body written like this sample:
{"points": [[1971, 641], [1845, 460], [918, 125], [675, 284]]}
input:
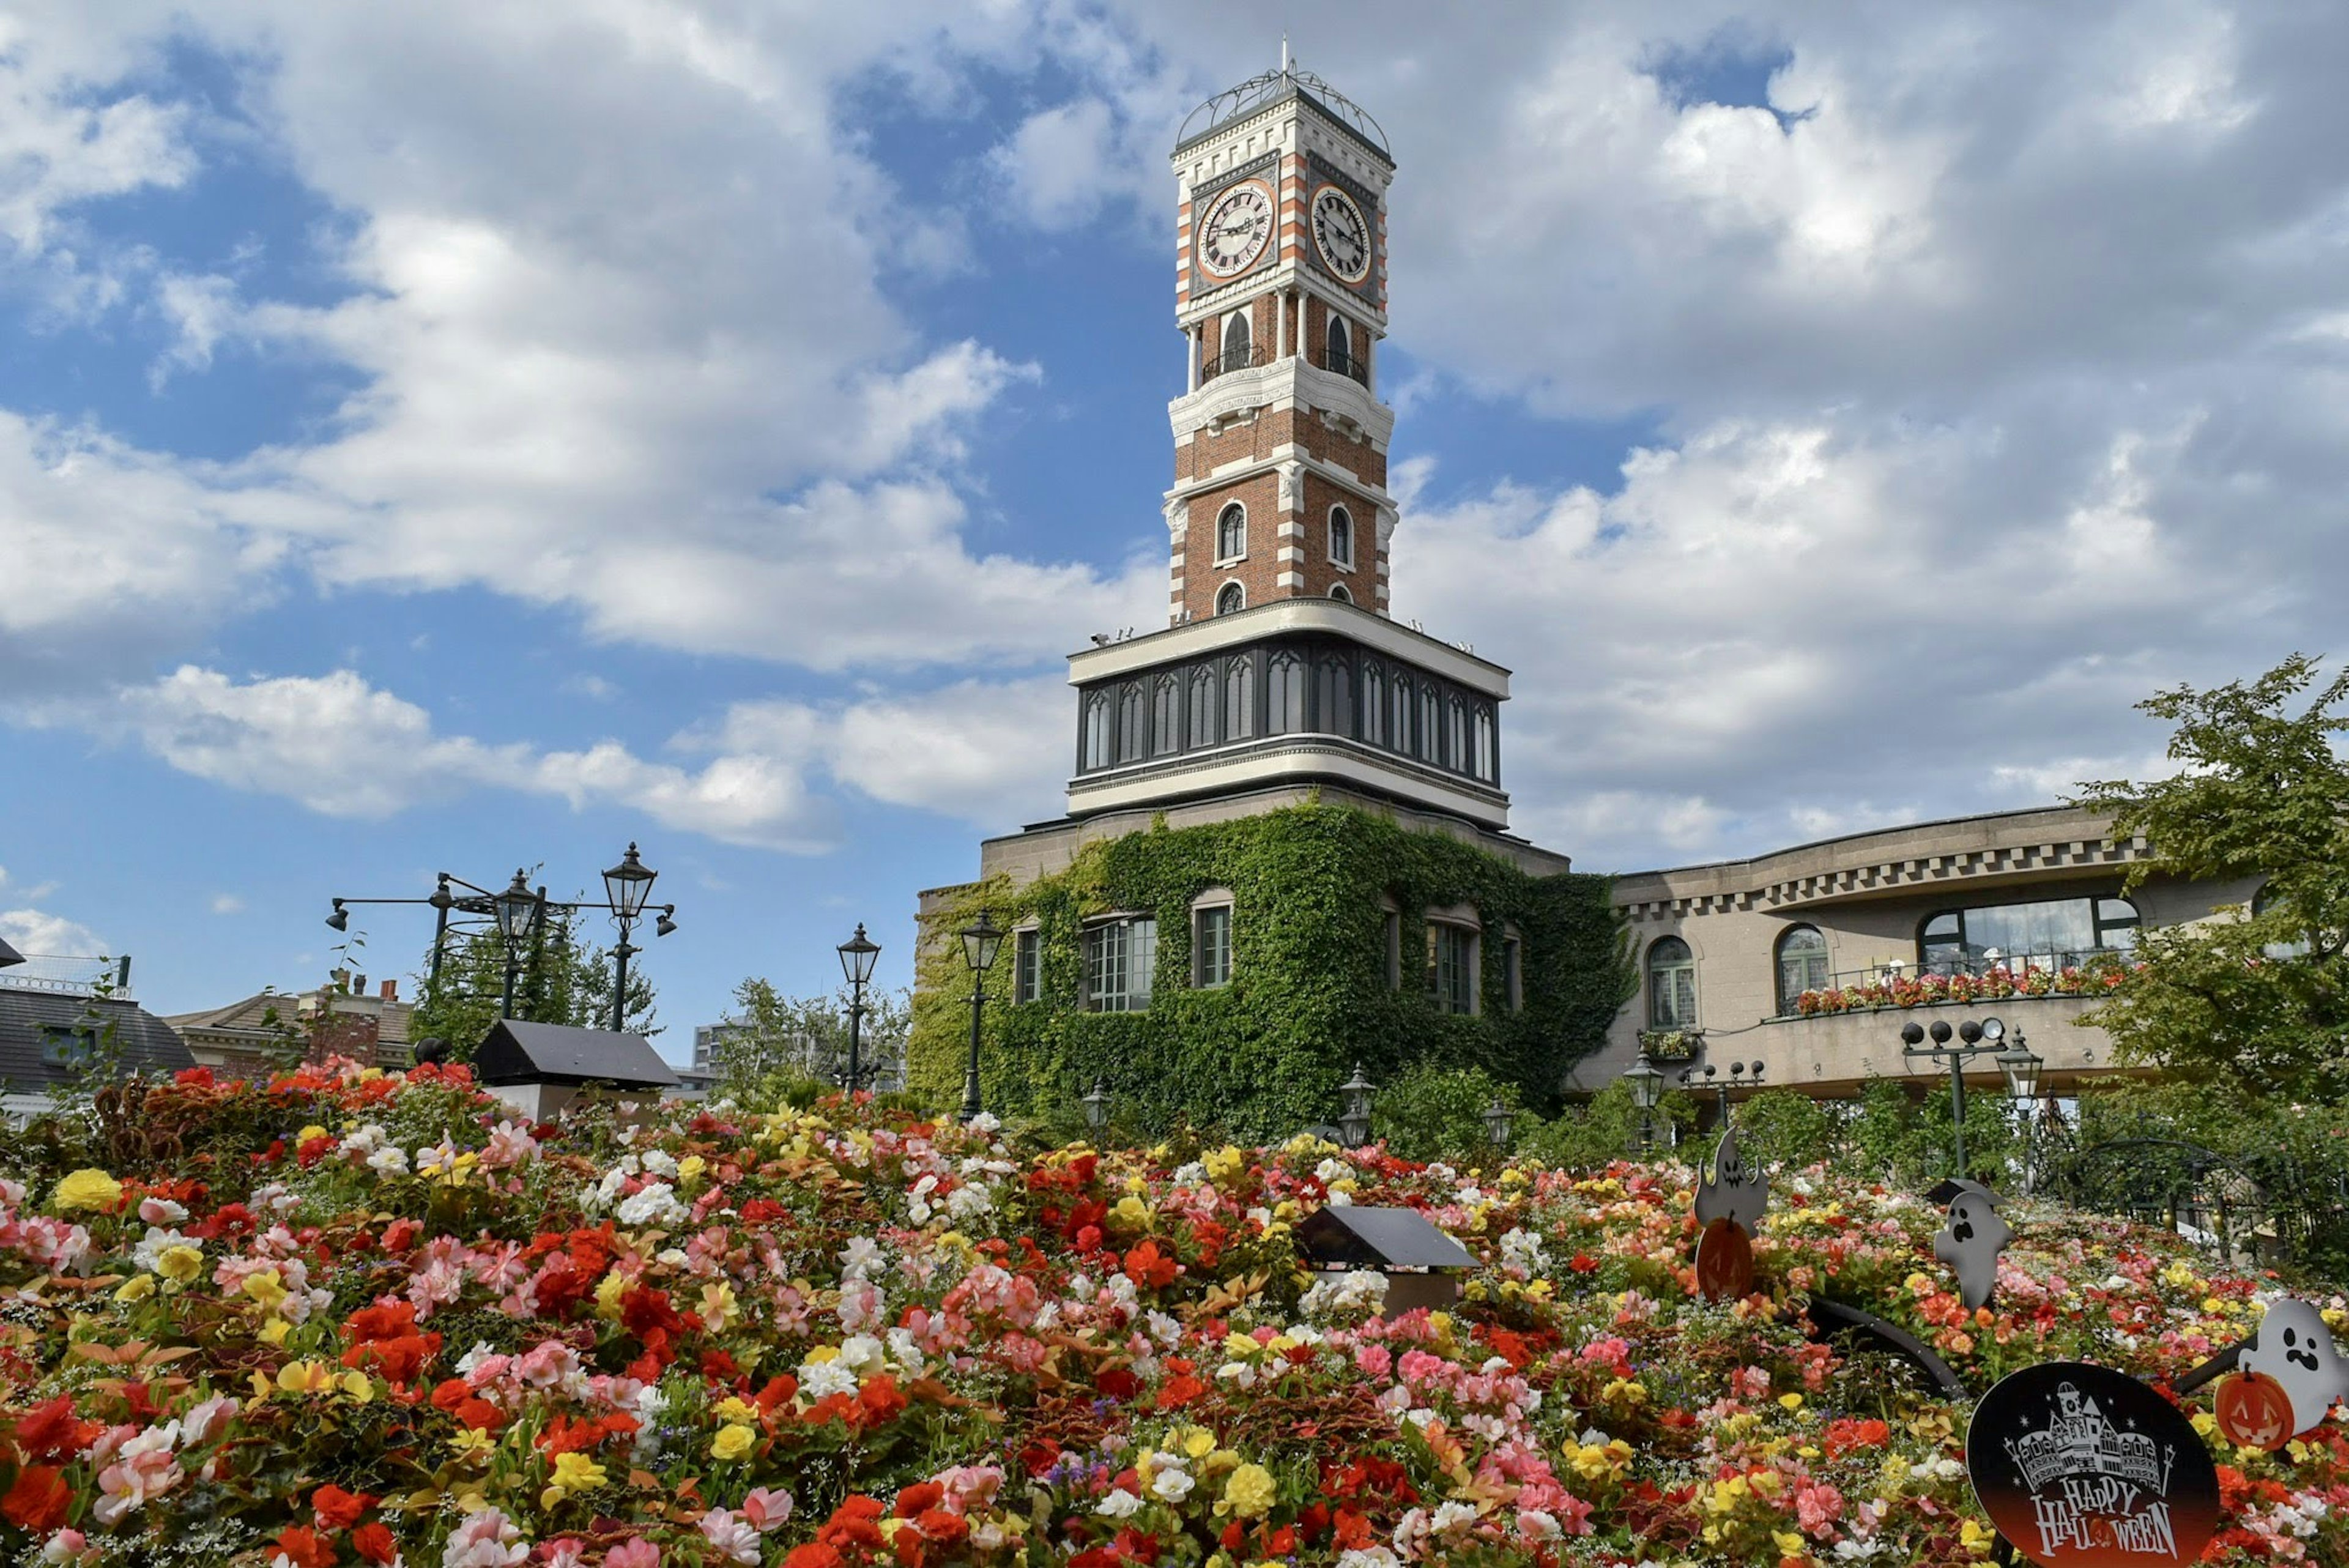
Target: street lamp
{"points": [[626, 887], [2021, 1067], [1097, 1105], [2018, 1064], [981, 942], [1497, 1118], [856, 956], [1354, 1123], [516, 911], [1647, 1081]]}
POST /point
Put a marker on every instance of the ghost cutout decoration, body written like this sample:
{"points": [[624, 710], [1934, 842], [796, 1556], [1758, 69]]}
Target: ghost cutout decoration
{"points": [[1970, 1240], [1729, 1189], [2295, 1347]]}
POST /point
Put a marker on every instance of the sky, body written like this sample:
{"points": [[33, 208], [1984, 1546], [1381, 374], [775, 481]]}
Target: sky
{"points": [[464, 437]]}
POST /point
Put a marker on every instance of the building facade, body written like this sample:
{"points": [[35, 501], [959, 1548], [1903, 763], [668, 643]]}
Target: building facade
{"points": [[341, 1018], [1809, 960]]}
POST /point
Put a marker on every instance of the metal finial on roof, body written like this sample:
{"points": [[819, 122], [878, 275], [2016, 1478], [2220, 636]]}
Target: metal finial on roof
{"points": [[1284, 51]]}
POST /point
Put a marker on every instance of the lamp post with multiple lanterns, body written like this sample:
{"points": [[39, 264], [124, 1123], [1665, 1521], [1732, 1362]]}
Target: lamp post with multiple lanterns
{"points": [[2018, 1062]]}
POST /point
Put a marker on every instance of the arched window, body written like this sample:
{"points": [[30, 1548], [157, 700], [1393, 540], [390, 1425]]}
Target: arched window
{"points": [[1341, 536], [1802, 965], [1333, 697], [1230, 599], [1431, 726], [1239, 702], [1284, 694], [1098, 753], [1337, 591], [1133, 735], [1456, 735], [1202, 706], [1486, 769], [1236, 340], [1231, 532], [1401, 708], [1338, 346], [1671, 985], [1374, 702], [1166, 717]]}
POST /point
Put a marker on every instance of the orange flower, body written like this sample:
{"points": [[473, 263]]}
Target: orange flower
{"points": [[40, 1500]]}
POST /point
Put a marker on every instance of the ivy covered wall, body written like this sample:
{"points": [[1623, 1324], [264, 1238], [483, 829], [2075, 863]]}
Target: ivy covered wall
{"points": [[1262, 1056]]}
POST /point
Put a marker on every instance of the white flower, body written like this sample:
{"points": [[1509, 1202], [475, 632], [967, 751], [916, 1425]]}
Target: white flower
{"points": [[1171, 1485], [733, 1537], [656, 1204], [390, 1160], [1453, 1516], [822, 1379], [660, 1162], [485, 1540], [967, 1203], [984, 1123], [149, 1252], [861, 1352], [1369, 1557], [861, 1254], [1119, 1505]]}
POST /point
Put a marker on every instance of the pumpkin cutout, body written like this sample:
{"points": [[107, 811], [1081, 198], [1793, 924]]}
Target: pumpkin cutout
{"points": [[1724, 1262], [2254, 1412]]}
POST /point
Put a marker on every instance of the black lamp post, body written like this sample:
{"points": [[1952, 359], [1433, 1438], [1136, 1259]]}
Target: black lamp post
{"points": [[980, 943], [1647, 1081], [1096, 1104], [517, 911], [2018, 1064], [1354, 1122], [856, 956], [1719, 1085], [626, 887], [2022, 1065], [1497, 1118]]}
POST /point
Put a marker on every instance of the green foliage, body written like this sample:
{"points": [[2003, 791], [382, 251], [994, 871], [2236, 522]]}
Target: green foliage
{"points": [[1607, 1129], [788, 1050], [1438, 1113], [1901, 1134], [561, 978], [1262, 1056], [1787, 1127], [2263, 791]]}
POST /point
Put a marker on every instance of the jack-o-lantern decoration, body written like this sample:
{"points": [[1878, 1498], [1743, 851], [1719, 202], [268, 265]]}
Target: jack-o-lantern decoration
{"points": [[1724, 1262], [2254, 1412]]}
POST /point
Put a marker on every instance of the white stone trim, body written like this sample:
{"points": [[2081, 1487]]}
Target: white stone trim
{"points": [[1352, 622], [1327, 756]]}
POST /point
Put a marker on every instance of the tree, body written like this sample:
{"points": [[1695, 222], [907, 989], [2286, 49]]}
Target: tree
{"points": [[561, 979], [2260, 997], [775, 1045]]}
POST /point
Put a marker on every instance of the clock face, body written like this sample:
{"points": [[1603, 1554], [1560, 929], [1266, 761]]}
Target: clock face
{"points": [[1237, 230], [1340, 233]]}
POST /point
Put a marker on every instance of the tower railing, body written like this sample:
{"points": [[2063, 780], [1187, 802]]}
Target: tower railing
{"points": [[1246, 358], [1346, 365]]}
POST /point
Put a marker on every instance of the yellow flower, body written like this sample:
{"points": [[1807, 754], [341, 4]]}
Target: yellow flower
{"points": [[85, 1188], [735, 1409], [572, 1472], [733, 1443], [472, 1443], [608, 1293], [179, 1266], [137, 1288], [1198, 1442], [275, 1331], [690, 1167], [718, 1305], [1225, 1166], [1248, 1494], [358, 1385], [1131, 1213], [1789, 1543], [1790, 1401], [305, 1377], [266, 1288]]}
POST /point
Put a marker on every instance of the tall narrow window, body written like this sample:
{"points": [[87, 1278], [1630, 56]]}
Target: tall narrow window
{"points": [[1374, 701], [1202, 706], [1239, 701], [1452, 966], [1284, 694], [1334, 696], [1431, 725], [1337, 345], [1513, 972], [1026, 966], [1133, 727], [1401, 709], [1801, 966], [1456, 735], [1671, 985], [1211, 944], [1237, 356], [1119, 955], [1231, 532], [1486, 769], [1098, 753], [1393, 938], [1166, 717], [1341, 536]]}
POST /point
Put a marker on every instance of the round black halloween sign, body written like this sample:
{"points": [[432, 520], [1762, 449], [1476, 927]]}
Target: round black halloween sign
{"points": [[2083, 1467]]}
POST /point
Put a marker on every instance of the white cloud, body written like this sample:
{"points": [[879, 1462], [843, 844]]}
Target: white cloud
{"points": [[36, 933], [227, 904], [1055, 162]]}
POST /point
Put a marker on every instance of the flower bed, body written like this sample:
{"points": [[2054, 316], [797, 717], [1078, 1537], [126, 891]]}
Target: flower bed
{"points": [[1993, 984], [352, 1318]]}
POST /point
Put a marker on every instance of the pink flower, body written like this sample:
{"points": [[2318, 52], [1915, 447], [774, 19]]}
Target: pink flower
{"points": [[566, 1551], [67, 1546], [635, 1553], [731, 1536], [766, 1508], [485, 1540], [143, 1466], [1818, 1507]]}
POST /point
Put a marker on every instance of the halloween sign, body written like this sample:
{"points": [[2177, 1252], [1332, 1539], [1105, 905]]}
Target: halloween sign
{"points": [[1971, 1238], [2083, 1467], [2294, 1355], [1730, 1197]]}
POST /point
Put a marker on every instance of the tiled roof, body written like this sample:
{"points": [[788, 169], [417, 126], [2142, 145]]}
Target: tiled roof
{"points": [[147, 1043]]}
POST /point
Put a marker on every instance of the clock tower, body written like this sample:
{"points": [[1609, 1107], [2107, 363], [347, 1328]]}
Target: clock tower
{"points": [[1280, 438]]}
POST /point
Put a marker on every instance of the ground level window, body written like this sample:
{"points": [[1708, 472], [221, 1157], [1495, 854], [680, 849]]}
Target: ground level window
{"points": [[1211, 945], [1119, 957], [1451, 967]]}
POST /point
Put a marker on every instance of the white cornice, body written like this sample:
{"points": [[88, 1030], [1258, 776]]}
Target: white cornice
{"points": [[1298, 757], [1197, 639], [1285, 383]]}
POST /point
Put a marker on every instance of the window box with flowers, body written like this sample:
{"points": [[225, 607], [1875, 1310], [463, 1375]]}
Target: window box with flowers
{"points": [[1670, 1045], [1995, 984]]}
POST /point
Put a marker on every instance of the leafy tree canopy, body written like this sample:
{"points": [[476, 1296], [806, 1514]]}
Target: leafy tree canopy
{"points": [[561, 978], [780, 1048], [2263, 790]]}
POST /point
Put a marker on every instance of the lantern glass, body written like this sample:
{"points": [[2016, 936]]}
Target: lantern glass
{"points": [[1096, 1105], [981, 942], [856, 956], [627, 884], [1497, 1118], [1647, 1081], [2021, 1067], [516, 909]]}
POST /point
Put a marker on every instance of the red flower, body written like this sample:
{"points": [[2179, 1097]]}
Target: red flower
{"points": [[299, 1544], [374, 1543], [917, 1497], [1149, 1268], [52, 1431], [339, 1509], [814, 1554], [40, 1500], [880, 1400]]}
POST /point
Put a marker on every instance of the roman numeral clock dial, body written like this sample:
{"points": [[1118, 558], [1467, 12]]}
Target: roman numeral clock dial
{"points": [[1341, 234], [1237, 230]]}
